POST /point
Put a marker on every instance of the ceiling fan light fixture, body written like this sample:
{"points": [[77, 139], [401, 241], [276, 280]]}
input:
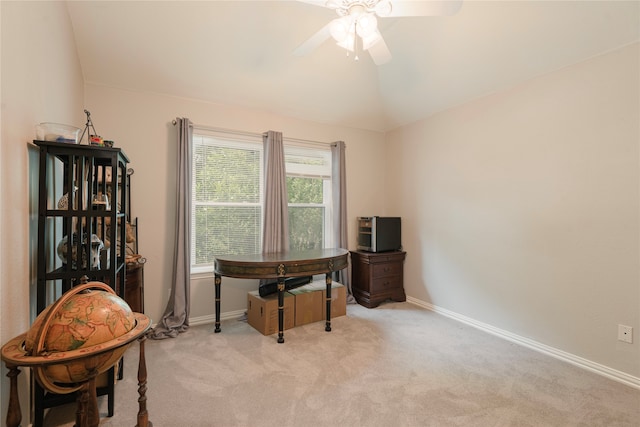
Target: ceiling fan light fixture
{"points": [[366, 25], [371, 39], [340, 28], [348, 43]]}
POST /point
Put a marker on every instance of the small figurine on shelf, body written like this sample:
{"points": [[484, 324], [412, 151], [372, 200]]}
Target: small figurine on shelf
{"points": [[65, 247], [96, 140]]}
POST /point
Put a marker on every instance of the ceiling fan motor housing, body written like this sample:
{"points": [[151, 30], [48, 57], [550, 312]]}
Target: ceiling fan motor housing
{"points": [[356, 8]]}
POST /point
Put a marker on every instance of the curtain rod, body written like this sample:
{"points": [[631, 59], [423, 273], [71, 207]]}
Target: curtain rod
{"points": [[257, 135]]}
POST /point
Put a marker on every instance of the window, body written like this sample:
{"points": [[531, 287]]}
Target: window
{"points": [[309, 190], [227, 196]]}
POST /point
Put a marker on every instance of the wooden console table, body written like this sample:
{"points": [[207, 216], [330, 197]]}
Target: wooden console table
{"points": [[280, 266]]}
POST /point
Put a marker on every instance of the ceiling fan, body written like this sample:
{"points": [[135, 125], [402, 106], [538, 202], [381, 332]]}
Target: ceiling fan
{"points": [[356, 27]]}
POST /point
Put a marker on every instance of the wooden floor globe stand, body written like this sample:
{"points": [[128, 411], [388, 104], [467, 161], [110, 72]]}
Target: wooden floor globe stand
{"points": [[90, 361]]}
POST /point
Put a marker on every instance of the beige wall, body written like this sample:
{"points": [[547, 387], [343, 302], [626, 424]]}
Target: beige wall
{"points": [[41, 81], [521, 209], [141, 125]]}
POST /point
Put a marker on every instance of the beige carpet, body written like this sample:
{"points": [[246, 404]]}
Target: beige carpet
{"points": [[396, 365]]}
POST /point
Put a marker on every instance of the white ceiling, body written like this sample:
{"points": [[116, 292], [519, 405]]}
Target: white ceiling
{"points": [[240, 53]]}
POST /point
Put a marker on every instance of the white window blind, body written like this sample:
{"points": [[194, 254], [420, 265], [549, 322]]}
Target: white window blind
{"points": [[309, 191], [227, 198], [227, 195]]}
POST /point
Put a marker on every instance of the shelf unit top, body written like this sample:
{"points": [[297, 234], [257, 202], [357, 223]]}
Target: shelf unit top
{"points": [[88, 150]]}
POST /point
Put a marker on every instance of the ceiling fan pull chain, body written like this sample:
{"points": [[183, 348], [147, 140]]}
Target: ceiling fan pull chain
{"points": [[355, 41]]}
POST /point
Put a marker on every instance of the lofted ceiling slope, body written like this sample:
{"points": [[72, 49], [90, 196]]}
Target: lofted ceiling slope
{"points": [[240, 53]]}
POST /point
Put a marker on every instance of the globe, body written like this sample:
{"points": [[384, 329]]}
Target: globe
{"points": [[85, 319], [88, 320], [80, 336]]}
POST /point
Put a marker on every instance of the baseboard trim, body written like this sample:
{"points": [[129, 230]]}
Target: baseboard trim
{"points": [[578, 361], [211, 318]]}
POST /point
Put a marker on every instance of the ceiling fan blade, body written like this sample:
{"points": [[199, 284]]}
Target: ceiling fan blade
{"points": [[425, 7], [379, 52], [313, 42]]}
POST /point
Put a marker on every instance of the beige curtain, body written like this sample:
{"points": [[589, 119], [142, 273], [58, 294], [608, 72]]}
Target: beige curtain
{"points": [[340, 222], [275, 230], [176, 316]]}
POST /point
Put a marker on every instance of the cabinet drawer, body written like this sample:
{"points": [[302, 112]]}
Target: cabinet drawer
{"points": [[386, 257], [388, 269], [384, 284]]}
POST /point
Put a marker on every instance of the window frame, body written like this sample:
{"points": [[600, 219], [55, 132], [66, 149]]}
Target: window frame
{"points": [[228, 140]]}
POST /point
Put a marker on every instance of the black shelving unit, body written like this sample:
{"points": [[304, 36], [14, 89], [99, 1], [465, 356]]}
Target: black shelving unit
{"points": [[78, 233]]}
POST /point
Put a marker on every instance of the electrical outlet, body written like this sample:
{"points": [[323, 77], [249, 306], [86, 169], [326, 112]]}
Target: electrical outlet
{"points": [[625, 333]]}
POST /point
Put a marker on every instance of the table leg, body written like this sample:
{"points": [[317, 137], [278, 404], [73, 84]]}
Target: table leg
{"points": [[280, 310], [218, 282], [14, 413], [328, 281]]}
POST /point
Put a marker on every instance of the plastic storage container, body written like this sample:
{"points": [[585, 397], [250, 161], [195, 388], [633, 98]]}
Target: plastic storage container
{"points": [[58, 132]]}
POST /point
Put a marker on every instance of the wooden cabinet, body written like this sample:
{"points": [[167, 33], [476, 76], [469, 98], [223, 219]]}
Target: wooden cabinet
{"points": [[134, 286], [377, 277]]}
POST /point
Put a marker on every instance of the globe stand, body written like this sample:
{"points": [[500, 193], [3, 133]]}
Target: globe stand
{"points": [[87, 405], [49, 368], [14, 413], [87, 414], [143, 415]]}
